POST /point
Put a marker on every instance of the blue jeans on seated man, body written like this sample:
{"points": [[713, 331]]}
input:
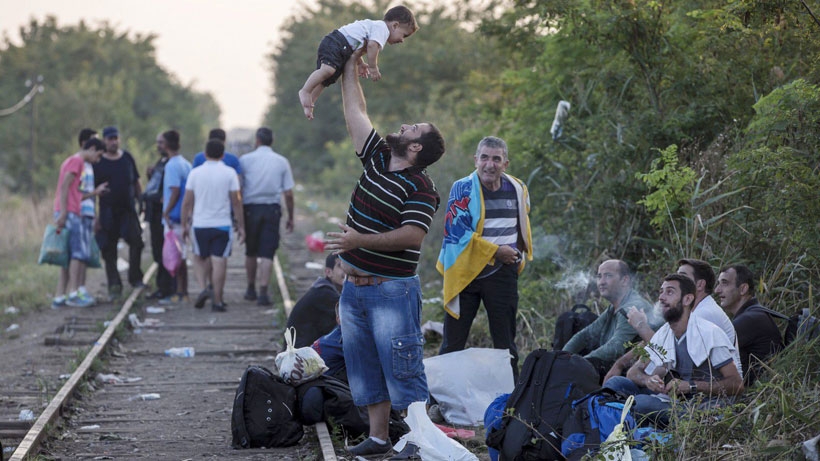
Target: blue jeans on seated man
{"points": [[647, 405]]}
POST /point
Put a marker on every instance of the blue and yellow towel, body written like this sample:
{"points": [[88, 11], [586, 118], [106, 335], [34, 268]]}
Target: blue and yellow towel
{"points": [[464, 254]]}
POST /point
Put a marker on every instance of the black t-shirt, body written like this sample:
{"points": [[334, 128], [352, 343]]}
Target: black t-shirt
{"points": [[314, 315], [757, 335], [121, 174]]}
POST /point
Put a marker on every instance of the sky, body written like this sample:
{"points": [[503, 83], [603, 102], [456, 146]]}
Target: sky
{"points": [[218, 46]]}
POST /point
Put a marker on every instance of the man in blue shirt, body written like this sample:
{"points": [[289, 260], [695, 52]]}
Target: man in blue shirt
{"points": [[232, 161], [229, 159]]}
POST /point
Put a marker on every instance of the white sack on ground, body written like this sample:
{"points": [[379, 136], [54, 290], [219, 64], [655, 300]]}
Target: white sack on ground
{"points": [[465, 382]]}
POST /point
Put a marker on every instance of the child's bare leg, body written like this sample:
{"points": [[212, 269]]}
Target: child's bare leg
{"points": [[308, 94]]}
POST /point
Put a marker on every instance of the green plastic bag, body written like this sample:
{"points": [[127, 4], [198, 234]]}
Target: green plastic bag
{"points": [[55, 249], [94, 256]]}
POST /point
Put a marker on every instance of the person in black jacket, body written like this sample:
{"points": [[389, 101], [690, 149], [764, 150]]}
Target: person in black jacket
{"points": [[152, 197], [314, 315], [757, 335]]}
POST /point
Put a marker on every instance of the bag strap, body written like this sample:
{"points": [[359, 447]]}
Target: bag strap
{"points": [[524, 377], [768, 311], [542, 379]]}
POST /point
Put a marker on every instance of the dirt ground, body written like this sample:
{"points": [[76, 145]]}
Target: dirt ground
{"points": [[191, 417]]}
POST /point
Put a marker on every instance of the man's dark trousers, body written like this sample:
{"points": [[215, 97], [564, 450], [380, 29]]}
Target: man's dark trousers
{"points": [[499, 292], [153, 214], [116, 223]]}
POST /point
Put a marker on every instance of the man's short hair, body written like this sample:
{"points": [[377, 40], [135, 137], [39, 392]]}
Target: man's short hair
{"points": [[215, 148], [265, 136], [93, 143], [432, 146], [703, 271], [687, 286], [85, 135], [403, 15], [171, 138], [492, 142], [217, 133], [742, 275], [330, 261]]}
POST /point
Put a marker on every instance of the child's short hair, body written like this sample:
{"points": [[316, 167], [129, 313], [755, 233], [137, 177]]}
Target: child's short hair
{"points": [[403, 15]]}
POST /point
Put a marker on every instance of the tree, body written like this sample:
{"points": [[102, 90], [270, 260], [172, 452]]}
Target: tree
{"points": [[93, 76]]}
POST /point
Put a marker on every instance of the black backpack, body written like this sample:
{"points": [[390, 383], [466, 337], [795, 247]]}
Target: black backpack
{"points": [[264, 411], [336, 406], [571, 322], [540, 403], [803, 325]]}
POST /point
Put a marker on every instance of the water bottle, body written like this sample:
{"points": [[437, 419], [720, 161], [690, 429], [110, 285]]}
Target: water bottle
{"points": [[180, 352]]}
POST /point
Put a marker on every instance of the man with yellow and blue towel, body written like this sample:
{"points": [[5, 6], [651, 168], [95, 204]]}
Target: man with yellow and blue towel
{"points": [[487, 239]]}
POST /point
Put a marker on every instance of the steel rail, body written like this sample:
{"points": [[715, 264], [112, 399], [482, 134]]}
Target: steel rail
{"points": [[325, 442], [34, 436]]}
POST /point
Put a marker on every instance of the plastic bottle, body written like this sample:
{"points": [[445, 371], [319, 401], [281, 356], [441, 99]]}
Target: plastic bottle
{"points": [[180, 352]]}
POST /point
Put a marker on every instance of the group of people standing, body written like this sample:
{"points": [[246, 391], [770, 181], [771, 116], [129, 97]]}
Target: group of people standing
{"points": [[209, 203]]}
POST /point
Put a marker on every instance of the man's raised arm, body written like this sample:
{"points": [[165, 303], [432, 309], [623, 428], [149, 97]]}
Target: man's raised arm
{"points": [[355, 108]]}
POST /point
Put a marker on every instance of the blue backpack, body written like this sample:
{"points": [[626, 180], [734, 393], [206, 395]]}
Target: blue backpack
{"points": [[592, 419]]}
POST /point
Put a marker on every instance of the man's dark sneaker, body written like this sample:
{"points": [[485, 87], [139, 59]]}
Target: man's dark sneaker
{"points": [[201, 298], [370, 447], [218, 307], [250, 294], [114, 292], [264, 300], [139, 285], [410, 451]]}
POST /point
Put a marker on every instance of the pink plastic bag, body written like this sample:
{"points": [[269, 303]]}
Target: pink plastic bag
{"points": [[315, 242], [171, 253]]}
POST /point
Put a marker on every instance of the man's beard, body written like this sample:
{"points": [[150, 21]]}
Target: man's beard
{"points": [[398, 147], [674, 314]]}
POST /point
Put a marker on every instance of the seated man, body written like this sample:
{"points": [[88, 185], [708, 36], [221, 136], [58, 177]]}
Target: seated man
{"points": [[757, 335], [706, 308], [314, 315], [602, 341], [329, 348], [686, 358]]}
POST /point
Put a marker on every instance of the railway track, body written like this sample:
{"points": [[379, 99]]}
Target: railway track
{"points": [[149, 405]]}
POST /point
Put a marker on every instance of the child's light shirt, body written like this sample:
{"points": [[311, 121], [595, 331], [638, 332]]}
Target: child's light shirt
{"points": [[366, 29]]}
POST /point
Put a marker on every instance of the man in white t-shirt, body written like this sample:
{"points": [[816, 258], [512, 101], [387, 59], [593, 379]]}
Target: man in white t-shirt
{"points": [[210, 192]]}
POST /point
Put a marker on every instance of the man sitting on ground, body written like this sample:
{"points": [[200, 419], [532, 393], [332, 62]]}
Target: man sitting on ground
{"points": [[602, 341], [706, 308], [686, 358], [757, 335], [314, 314]]}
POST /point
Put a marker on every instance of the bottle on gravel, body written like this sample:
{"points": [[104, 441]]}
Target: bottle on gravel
{"points": [[180, 352]]}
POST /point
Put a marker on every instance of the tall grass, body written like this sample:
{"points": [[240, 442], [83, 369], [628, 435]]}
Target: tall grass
{"points": [[23, 283]]}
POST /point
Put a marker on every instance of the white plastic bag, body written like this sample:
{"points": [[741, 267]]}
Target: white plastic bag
{"points": [[616, 446], [297, 366], [465, 382], [433, 444]]}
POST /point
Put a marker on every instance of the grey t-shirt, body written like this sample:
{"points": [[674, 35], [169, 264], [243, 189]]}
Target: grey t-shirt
{"points": [[266, 175]]}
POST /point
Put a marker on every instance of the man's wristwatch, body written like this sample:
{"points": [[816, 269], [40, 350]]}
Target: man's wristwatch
{"points": [[693, 388]]}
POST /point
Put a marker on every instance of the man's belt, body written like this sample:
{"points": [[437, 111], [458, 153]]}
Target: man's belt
{"points": [[366, 280]]}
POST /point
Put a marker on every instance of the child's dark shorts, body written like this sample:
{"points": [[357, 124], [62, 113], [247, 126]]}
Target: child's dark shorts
{"points": [[334, 50]]}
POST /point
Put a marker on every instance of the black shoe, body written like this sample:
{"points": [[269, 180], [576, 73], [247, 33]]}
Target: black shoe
{"points": [[218, 307], [250, 294], [201, 298], [264, 300], [410, 451], [370, 447]]}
